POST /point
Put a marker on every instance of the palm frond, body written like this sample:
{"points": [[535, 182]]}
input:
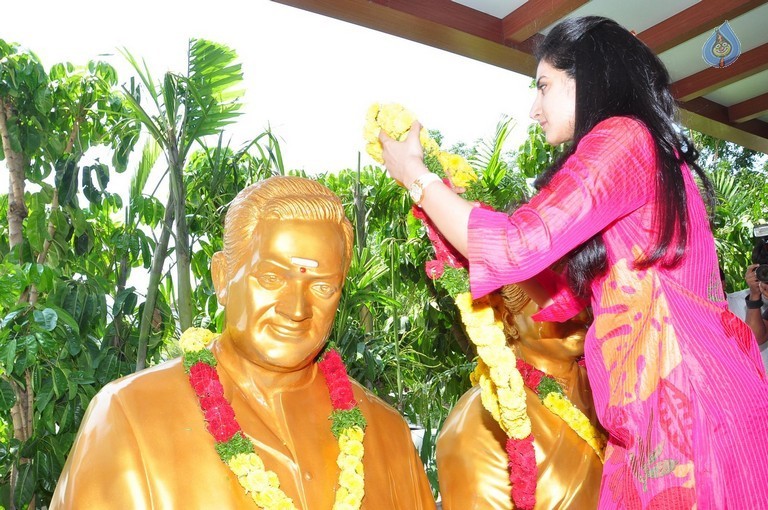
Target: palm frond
{"points": [[212, 89]]}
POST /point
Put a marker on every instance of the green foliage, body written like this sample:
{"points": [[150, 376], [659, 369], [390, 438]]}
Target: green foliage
{"points": [[343, 419], [498, 185], [237, 444], [536, 155], [547, 386], [56, 347], [455, 281], [740, 180]]}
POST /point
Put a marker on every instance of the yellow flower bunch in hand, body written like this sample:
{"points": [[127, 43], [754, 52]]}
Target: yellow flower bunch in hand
{"points": [[458, 170], [396, 122]]}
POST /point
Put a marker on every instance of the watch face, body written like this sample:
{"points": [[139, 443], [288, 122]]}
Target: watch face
{"points": [[415, 192]]}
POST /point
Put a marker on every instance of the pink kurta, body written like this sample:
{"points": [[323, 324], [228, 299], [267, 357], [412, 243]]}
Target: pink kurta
{"points": [[677, 379]]}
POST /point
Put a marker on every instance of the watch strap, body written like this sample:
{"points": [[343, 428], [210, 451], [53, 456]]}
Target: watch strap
{"points": [[753, 304], [420, 184]]}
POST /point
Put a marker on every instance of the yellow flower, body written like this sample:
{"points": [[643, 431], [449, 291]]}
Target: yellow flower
{"points": [[355, 433], [272, 479], [195, 339], [396, 122], [457, 168], [351, 447], [347, 462], [271, 497], [575, 419], [430, 145], [255, 481], [286, 504], [352, 481], [242, 463]]}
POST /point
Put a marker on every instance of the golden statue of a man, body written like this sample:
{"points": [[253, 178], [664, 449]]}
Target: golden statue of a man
{"points": [[144, 443], [472, 462]]}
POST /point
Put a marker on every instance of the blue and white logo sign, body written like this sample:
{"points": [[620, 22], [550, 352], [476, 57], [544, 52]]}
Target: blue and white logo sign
{"points": [[722, 48]]}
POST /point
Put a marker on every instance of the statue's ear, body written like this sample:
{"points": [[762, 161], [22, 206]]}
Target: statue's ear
{"points": [[219, 276]]}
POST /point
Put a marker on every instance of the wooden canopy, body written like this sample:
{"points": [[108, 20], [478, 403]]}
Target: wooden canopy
{"points": [[728, 102]]}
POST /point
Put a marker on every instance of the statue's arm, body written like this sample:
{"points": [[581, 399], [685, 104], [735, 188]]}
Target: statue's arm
{"points": [[471, 460], [105, 468]]}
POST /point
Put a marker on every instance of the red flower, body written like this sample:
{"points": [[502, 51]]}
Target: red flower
{"points": [[205, 380], [220, 417], [435, 269], [336, 379], [531, 376], [342, 398], [221, 429], [523, 472]]}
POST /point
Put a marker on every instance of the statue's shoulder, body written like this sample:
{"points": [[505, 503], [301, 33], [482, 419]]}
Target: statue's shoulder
{"points": [[374, 406], [164, 379]]}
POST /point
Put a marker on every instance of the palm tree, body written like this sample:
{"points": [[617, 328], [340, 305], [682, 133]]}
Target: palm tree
{"points": [[186, 109]]}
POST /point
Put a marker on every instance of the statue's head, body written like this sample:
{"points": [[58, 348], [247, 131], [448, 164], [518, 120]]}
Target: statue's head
{"points": [[554, 340], [287, 249]]}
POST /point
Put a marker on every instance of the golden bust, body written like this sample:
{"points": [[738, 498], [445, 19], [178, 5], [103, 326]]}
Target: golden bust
{"points": [[472, 461], [143, 442]]}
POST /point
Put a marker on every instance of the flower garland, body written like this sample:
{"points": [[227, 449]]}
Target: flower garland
{"points": [[552, 396], [499, 373], [237, 452]]}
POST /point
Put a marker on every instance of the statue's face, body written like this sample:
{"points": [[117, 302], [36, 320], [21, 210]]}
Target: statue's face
{"points": [[281, 300], [555, 340]]}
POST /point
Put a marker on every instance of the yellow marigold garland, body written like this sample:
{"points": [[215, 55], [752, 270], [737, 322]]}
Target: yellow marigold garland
{"points": [[577, 420], [503, 390]]}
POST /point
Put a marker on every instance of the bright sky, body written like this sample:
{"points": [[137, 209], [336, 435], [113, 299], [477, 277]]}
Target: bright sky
{"points": [[311, 78]]}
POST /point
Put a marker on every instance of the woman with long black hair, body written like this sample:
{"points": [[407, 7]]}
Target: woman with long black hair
{"points": [[677, 379]]}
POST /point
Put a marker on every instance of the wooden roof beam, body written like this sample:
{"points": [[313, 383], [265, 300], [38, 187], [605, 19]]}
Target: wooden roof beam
{"points": [[749, 109], [701, 17], [713, 78], [480, 40], [450, 14], [534, 15], [712, 119]]}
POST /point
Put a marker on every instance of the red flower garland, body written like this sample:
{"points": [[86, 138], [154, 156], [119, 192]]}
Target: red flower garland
{"points": [[339, 387], [531, 376], [523, 471]]}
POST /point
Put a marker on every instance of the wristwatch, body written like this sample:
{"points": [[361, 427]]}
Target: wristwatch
{"points": [[753, 304], [419, 185]]}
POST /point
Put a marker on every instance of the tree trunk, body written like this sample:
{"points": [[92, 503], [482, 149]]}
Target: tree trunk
{"points": [[54, 207], [122, 269], [22, 411], [183, 277], [17, 209], [155, 273]]}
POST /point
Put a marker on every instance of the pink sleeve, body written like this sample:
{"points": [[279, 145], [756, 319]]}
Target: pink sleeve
{"points": [[611, 174], [565, 304]]}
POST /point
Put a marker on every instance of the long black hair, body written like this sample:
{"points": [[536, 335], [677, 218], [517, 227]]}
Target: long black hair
{"points": [[616, 74]]}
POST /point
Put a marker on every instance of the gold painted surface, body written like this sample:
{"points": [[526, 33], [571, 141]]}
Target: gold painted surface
{"points": [[143, 442], [471, 456]]}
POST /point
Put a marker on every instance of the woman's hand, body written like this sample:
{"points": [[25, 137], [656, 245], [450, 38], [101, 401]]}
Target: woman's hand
{"points": [[404, 160]]}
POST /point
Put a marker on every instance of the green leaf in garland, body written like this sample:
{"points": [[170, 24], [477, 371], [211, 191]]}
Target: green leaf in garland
{"points": [[455, 281], [236, 445], [547, 386], [344, 419], [203, 356]]}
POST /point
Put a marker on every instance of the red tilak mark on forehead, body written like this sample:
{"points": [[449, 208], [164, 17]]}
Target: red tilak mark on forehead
{"points": [[303, 269]]}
